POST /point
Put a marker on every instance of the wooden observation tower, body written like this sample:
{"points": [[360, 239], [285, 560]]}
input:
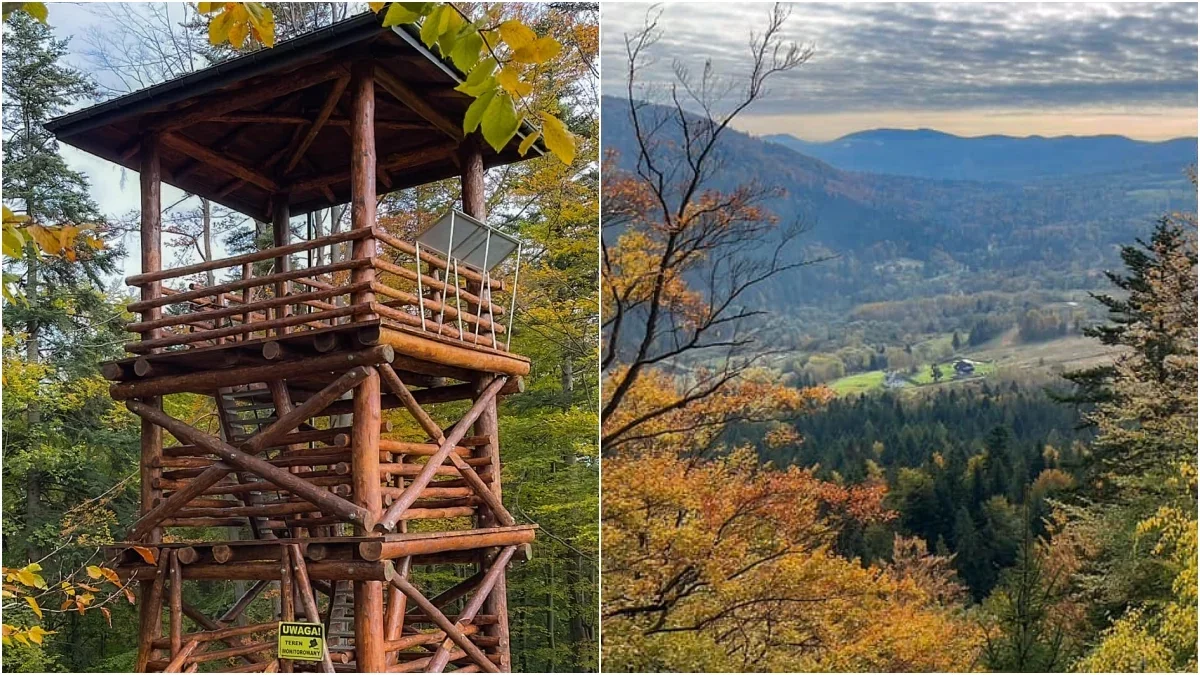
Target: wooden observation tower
{"points": [[301, 347]]}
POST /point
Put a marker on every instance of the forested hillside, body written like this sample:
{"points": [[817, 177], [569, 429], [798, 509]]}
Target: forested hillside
{"points": [[897, 238], [71, 454]]}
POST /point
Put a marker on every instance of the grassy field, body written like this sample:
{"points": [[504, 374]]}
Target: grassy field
{"points": [[1003, 354], [858, 383]]}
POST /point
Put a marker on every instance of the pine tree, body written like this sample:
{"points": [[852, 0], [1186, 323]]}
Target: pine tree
{"points": [[1028, 636], [61, 307]]}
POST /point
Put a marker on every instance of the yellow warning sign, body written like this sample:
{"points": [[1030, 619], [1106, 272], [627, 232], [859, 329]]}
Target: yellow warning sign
{"points": [[301, 641]]}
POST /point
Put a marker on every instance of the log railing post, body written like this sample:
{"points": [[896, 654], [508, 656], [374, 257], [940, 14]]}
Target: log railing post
{"points": [[281, 235]]}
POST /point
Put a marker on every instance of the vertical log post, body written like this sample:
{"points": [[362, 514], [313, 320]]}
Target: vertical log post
{"points": [[362, 174], [176, 603], [150, 183], [150, 614], [475, 205], [287, 598], [281, 234], [368, 595]]}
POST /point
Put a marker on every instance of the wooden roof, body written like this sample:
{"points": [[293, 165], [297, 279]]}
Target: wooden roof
{"points": [[240, 131]]}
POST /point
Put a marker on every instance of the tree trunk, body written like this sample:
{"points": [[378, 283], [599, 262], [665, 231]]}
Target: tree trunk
{"points": [[568, 380], [206, 243], [33, 416]]}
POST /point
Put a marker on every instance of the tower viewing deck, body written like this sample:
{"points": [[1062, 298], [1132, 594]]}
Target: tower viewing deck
{"points": [[299, 483]]}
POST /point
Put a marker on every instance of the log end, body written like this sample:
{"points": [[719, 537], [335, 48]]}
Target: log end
{"points": [[325, 342], [187, 555], [111, 371], [222, 553], [371, 550], [272, 351]]}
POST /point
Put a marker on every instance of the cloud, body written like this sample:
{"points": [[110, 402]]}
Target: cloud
{"points": [[936, 56]]}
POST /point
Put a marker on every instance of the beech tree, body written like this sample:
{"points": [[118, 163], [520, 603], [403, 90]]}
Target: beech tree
{"points": [[680, 257]]}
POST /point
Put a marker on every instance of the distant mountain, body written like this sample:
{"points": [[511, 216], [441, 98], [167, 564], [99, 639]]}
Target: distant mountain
{"points": [[903, 237], [926, 153]]}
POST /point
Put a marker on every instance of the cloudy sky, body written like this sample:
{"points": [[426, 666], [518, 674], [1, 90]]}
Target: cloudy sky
{"points": [[969, 69]]}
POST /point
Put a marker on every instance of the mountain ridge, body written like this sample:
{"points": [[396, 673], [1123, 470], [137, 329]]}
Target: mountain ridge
{"points": [[930, 153], [898, 236]]}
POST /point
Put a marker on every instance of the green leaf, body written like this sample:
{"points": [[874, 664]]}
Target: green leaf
{"points": [[14, 242], [466, 50], [500, 121], [475, 111], [398, 13], [452, 24], [559, 140], [431, 28], [479, 80]]}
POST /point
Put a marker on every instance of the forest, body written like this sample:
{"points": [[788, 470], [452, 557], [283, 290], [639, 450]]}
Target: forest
{"points": [[756, 520], [71, 454]]}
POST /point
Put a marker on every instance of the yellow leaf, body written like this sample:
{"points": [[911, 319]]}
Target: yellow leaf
{"points": [[218, 28], [559, 140], [516, 34], [94, 572], [111, 575], [528, 142], [376, 6], [33, 604], [539, 51], [511, 82], [238, 33], [37, 633], [44, 238], [30, 578], [10, 217], [148, 554]]}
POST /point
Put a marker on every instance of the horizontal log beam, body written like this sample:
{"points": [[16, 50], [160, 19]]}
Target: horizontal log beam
{"points": [[237, 310], [212, 380], [476, 539], [257, 256], [325, 570]]}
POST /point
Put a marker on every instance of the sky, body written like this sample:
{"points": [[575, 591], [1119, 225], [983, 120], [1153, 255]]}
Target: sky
{"points": [[968, 69]]}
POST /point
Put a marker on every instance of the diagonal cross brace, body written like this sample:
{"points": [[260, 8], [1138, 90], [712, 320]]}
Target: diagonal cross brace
{"points": [[442, 656], [453, 632], [265, 438], [435, 432], [326, 502], [413, 491]]}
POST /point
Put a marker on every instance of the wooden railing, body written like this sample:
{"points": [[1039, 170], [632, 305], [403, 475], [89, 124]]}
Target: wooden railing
{"points": [[265, 297]]}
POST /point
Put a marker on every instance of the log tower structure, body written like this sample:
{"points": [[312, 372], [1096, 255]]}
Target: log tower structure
{"points": [[302, 487]]}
